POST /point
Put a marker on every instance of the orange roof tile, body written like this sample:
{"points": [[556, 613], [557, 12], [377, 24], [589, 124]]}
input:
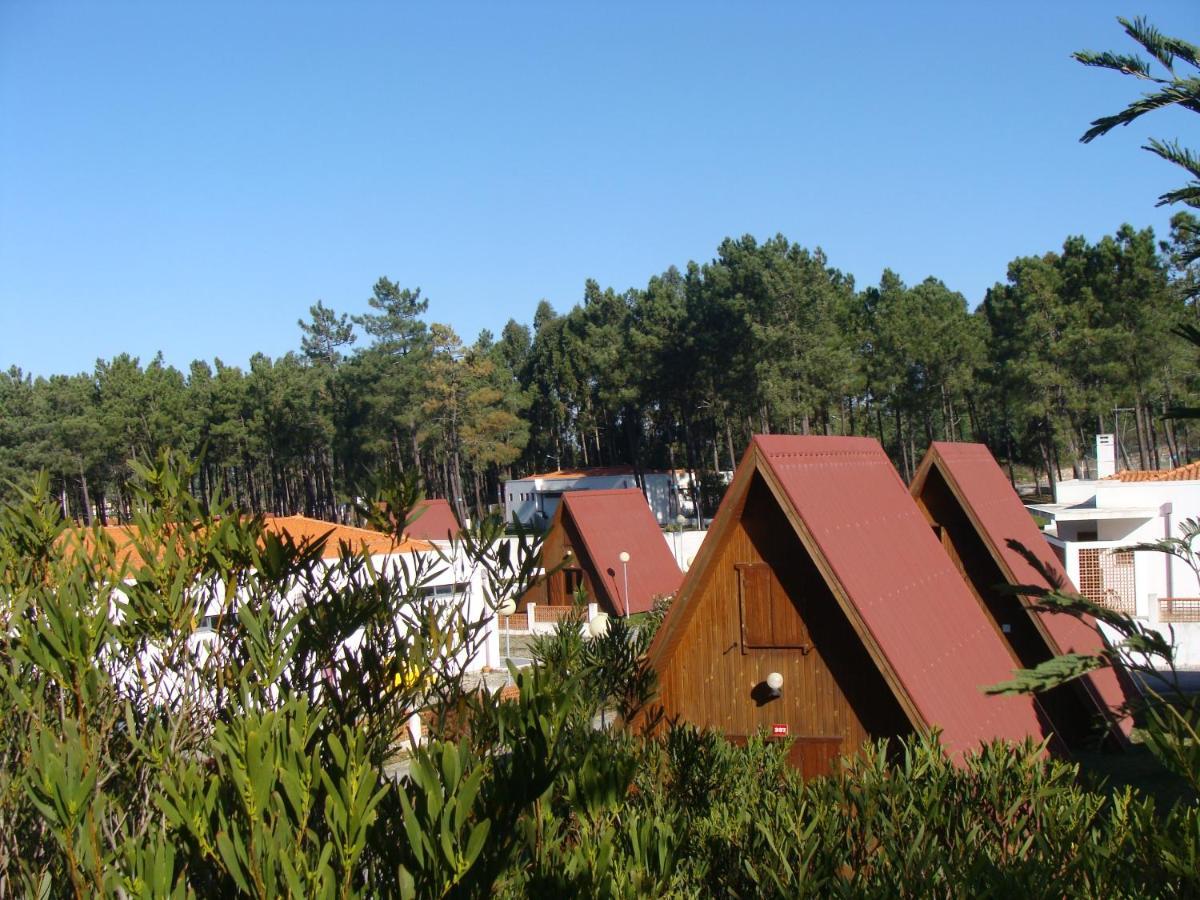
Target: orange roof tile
{"points": [[1189, 472], [590, 472], [301, 529]]}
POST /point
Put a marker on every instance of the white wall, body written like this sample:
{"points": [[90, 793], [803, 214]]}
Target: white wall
{"points": [[1074, 491], [684, 546], [530, 500], [1151, 582], [1183, 495]]}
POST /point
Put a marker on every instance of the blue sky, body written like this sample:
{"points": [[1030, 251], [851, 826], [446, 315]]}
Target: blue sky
{"points": [[191, 177]]}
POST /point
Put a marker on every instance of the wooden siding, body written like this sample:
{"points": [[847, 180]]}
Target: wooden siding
{"points": [[552, 590], [1066, 710], [833, 697]]}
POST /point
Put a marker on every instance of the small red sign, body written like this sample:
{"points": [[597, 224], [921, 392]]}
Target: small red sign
{"points": [[779, 730]]}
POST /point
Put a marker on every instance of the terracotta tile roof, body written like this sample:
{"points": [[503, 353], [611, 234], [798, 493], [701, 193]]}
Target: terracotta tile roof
{"points": [[435, 521], [1189, 472], [1002, 520], [510, 691], [299, 528], [302, 528], [609, 522], [592, 472]]}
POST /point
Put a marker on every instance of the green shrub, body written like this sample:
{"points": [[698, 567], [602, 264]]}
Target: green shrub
{"points": [[134, 766]]}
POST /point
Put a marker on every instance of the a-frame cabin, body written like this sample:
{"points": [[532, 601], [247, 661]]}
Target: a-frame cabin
{"points": [[583, 546], [984, 528], [432, 520], [819, 567]]}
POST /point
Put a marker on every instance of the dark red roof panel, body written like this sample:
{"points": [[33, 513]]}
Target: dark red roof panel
{"points": [[904, 588], [977, 478], [616, 521], [435, 521]]}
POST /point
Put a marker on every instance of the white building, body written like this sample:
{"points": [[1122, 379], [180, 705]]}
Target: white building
{"points": [[533, 500], [433, 572], [1095, 523]]}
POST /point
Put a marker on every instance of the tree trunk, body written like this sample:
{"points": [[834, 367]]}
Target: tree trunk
{"points": [[1012, 476], [459, 504], [416, 451], [1073, 446], [87, 502], [1153, 432], [1048, 460], [1141, 434], [1169, 432]]}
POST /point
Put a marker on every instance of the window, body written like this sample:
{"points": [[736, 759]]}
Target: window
{"points": [[442, 591], [572, 582], [769, 618]]}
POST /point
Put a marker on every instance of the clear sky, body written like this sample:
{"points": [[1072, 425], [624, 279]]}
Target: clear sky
{"points": [[190, 177]]}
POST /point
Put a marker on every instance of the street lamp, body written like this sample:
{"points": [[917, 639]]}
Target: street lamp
{"points": [[506, 609], [680, 521], [624, 558]]}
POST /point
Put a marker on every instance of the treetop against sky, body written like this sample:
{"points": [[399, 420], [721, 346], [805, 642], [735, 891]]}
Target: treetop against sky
{"points": [[191, 178]]}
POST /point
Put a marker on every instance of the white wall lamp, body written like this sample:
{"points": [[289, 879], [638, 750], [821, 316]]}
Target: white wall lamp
{"points": [[775, 685], [598, 626]]}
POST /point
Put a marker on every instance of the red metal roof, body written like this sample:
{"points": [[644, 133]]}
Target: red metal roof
{"points": [[1001, 519], [616, 521], [435, 521], [906, 592]]}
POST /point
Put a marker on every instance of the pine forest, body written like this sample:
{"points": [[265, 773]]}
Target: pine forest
{"points": [[768, 336]]}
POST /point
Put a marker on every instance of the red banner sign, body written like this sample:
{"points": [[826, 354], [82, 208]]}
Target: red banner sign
{"points": [[779, 730]]}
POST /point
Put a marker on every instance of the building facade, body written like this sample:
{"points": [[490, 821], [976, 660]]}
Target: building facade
{"points": [[533, 500]]}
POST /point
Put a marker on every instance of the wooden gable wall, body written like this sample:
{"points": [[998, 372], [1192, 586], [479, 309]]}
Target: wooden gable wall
{"points": [[833, 694], [554, 590], [593, 580], [1069, 709]]}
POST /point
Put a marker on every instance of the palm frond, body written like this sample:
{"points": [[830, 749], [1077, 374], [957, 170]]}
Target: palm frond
{"points": [[1156, 44], [1171, 95], [1124, 63]]}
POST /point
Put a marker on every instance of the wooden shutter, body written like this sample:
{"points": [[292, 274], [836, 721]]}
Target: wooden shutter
{"points": [[754, 589], [769, 618]]}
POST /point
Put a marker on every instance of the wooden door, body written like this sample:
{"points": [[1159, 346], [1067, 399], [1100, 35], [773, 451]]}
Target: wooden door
{"points": [[815, 756]]}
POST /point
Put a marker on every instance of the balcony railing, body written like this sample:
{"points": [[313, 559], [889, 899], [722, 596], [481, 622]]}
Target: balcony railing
{"points": [[1179, 609]]}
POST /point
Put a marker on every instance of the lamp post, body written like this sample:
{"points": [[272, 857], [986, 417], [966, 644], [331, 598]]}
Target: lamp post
{"points": [[624, 558], [680, 521], [506, 609]]}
